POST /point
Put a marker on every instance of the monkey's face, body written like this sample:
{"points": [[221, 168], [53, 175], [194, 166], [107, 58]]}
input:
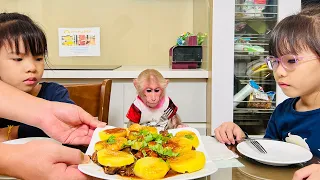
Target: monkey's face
{"points": [[152, 95]]}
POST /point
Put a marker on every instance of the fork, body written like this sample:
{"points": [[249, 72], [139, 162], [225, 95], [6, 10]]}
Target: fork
{"points": [[258, 146], [166, 114]]}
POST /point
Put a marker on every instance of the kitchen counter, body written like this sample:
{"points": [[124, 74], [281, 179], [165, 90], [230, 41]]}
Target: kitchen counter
{"points": [[126, 72]]}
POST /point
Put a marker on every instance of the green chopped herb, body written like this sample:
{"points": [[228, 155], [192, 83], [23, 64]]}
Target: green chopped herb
{"points": [[144, 153], [144, 144], [144, 132], [158, 148], [159, 141], [111, 140], [188, 136], [148, 138]]}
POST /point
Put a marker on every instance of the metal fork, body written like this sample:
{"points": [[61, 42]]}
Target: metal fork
{"points": [[166, 114], [258, 146]]}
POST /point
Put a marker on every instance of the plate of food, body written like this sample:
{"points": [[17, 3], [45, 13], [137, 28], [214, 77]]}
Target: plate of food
{"points": [[141, 152]]}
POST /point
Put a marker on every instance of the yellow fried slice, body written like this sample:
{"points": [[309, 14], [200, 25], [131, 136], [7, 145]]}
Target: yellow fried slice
{"points": [[179, 144], [115, 144], [117, 132], [188, 162], [150, 168], [135, 127], [189, 135], [133, 135], [150, 129], [137, 145], [114, 158]]}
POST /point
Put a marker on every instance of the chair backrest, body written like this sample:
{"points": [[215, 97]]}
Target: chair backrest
{"points": [[93, 98]]}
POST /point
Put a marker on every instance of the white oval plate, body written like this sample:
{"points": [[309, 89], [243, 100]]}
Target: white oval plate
{"points": [[279, 153], [94, 170]]}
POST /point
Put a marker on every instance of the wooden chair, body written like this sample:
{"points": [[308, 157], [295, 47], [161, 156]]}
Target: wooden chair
{"points": [[93, 98]]}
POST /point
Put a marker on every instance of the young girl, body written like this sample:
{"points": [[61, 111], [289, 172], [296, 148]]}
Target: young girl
{"points": [[295, 61], [23, 50]]}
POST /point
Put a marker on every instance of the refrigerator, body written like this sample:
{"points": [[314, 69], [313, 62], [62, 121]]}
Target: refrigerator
{"points": [[240, 42]]}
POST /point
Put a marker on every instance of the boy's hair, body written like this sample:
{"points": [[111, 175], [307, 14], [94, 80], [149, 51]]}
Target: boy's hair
{"points": [[15, 27], [296, 33]]}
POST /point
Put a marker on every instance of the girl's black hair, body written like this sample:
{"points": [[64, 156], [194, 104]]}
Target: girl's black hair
{"points": [[16, 27], [296, 33]]}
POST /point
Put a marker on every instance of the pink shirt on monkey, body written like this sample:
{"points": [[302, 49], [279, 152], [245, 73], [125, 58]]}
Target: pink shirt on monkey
{"points": [[142, 114]]}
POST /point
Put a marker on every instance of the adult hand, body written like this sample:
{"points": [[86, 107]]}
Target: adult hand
{"points": [[226, 131], [43, 159], [68, 123], [311, 172]]}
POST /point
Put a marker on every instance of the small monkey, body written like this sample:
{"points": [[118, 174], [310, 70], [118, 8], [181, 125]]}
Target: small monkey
{"points": [[152, 102]]}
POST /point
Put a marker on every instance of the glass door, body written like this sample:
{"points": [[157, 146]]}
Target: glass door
{"points": [[254, 85]]}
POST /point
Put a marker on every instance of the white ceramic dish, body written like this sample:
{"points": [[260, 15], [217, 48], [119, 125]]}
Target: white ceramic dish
{"points": [[94, 170], [279, 153]]}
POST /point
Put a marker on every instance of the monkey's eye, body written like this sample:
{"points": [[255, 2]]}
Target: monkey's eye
{"points": [[156, 90], [149, 90]]}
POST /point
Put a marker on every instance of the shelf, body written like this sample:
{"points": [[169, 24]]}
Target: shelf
{"points": [[252, 110], [266, 5], [266, 13], [258, 79], [236, 34], [256, 44], [255, 18], [250, 55], [250, 52]]}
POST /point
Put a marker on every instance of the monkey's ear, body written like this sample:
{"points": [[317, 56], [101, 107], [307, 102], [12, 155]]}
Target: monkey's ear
{"points": [[167, 82], [135, 83]]}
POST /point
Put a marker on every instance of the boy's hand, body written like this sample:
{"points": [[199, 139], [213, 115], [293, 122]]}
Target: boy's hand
{"points": [[226, 132]]}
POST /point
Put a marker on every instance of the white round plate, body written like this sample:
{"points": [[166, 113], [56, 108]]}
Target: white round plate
{"points": [[279, 153], [23, 141], [94, 170]]}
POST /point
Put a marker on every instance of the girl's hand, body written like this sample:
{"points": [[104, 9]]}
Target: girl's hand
{"points": [[226, 132]]}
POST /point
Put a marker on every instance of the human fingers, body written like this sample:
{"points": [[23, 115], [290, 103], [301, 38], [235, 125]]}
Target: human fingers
{"points": [[81, 140], [314, 176], [67, 172], [223, 133], [304, 172], [230, 135], [86, 118], [217, 134], [70, 156], [238, 133]]}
